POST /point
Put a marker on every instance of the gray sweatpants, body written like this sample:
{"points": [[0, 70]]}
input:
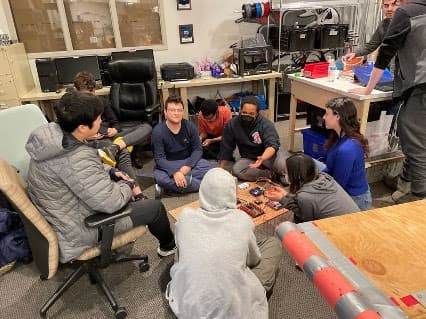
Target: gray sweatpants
{"points": [[412, 137], [266, 270], [275, 164]]}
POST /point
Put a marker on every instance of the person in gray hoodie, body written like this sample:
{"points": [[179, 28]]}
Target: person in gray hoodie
{"points": [[219, 268], [312, 195], [67, 181]]}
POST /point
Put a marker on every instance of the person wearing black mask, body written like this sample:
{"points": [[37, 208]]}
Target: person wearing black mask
{"points": [[258, 144]]}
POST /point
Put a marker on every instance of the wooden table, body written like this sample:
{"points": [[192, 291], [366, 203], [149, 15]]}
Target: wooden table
{"points": [[245, 195], [47, 99], [319, 91], [184, 85], [388, 246]]}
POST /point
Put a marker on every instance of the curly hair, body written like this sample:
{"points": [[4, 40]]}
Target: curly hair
{"points": [[84, 81], [345, 108]]}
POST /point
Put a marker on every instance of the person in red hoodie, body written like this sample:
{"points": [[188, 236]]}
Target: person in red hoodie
{"points": [[212, 120]]}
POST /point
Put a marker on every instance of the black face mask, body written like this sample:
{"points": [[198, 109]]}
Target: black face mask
{"points": [[246, 120]]}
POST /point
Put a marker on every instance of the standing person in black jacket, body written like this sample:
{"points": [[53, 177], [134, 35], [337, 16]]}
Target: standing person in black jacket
{"points": [[406, 37], [389, 7], [258, 143]]}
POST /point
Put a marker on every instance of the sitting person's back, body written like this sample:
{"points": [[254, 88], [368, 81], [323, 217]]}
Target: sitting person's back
{"points": [[312, 196], [216, 249]]}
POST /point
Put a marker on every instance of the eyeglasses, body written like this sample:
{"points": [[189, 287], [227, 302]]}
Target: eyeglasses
{"points": [[174, 110]]}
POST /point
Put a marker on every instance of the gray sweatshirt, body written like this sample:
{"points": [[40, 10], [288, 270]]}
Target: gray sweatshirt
{"points": [[321, 198], [211, 277]]}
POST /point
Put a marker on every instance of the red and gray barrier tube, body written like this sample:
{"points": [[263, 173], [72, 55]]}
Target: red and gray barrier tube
{"points": [[333, 286]]}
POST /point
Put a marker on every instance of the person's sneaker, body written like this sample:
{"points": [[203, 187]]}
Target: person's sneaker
{"points": [[137, 163], [165, 253], [158, 190], [140, 196]]}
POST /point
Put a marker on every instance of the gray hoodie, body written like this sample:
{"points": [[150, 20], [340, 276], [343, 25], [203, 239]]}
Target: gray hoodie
{"points": [[211, 277], [67, 183], [321, 198]]}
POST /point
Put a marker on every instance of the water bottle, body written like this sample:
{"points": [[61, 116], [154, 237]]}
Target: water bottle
{"points": [[332, 70]]}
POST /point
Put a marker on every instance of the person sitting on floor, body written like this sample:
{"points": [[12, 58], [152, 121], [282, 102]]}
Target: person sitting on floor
{"points": [[312, 195], [67, 181], [258, 144], [177, 152], [110, 130], [219, 267], [346, 150], [211, 123]]}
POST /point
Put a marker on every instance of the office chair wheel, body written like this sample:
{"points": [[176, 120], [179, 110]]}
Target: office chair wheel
{"points": [[144, 259], [143, 267], [120, 313]]}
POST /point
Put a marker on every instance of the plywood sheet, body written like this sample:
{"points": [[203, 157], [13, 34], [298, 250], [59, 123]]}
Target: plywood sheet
{"points": [[388, 245]]}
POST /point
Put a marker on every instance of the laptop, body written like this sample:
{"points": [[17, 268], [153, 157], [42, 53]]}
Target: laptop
{"points": [[363, 73]]}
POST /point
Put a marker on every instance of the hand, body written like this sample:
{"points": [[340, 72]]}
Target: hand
{"points": [[207, 142], [275, 193], [97, 136], [180, 179], [348, 57], [258, 163], [123, 176], [360, 91], [111, 132]]}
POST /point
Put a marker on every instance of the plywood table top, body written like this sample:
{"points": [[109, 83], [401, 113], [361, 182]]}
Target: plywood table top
{"points": [[388, 245]]}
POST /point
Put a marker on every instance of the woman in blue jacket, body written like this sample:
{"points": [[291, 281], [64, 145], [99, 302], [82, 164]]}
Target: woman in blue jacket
{"points": [[346, 150]]}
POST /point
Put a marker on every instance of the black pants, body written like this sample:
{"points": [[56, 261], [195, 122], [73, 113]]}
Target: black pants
{"points": [[153, 214]]}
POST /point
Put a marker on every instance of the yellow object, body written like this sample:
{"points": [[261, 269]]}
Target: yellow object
{"points": [[129, 148], [106, 159]]}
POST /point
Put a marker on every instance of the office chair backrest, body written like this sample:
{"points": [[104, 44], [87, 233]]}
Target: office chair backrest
{"points": [[16, 124], [134, 88], [42, 238]]}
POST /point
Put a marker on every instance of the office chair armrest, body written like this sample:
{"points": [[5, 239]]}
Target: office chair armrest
{"points": [[100, 219], [152, 108]]}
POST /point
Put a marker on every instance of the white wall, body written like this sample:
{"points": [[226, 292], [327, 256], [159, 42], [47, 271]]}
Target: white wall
{"points": [[214, 30]]}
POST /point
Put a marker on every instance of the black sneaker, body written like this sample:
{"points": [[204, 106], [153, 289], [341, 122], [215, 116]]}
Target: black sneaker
{"points": [[158, 190], [140, 196], [165, 253], [111, 151]]}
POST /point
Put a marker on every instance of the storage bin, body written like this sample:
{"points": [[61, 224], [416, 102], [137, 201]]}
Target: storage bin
{"points": [[292, 38], [330, 36], [316, 70], [313, 143]]}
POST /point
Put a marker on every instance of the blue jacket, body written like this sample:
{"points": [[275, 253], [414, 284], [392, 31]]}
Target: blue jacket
{"points": [[346, 163]]}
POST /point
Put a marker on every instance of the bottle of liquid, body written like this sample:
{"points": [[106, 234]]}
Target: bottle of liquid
{"points": [[332, 70]]}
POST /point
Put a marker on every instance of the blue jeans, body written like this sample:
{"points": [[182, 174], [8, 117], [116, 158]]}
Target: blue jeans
{"points": [[363, 201]]}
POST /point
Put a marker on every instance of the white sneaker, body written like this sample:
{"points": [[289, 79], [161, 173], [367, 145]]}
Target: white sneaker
{"points": [[158, 191], [165, 253]]}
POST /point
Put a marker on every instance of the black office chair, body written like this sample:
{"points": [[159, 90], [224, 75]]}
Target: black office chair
{"points": [[133, 94]]}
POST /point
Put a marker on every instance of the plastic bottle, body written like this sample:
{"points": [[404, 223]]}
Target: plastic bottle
{"points": [[332, 70]]}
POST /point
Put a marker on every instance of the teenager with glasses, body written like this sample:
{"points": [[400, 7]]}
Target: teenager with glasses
{"points": [[312, 195], [346, 150], [177, 152]]}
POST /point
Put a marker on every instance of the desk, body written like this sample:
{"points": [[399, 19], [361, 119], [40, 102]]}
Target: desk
{"points": [[319, 91], [36, 95], [382, 252], [244, 195], [184, 85]]}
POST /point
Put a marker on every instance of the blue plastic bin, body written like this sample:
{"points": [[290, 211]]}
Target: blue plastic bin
{"points": [[313, 143], [236, 104]]}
